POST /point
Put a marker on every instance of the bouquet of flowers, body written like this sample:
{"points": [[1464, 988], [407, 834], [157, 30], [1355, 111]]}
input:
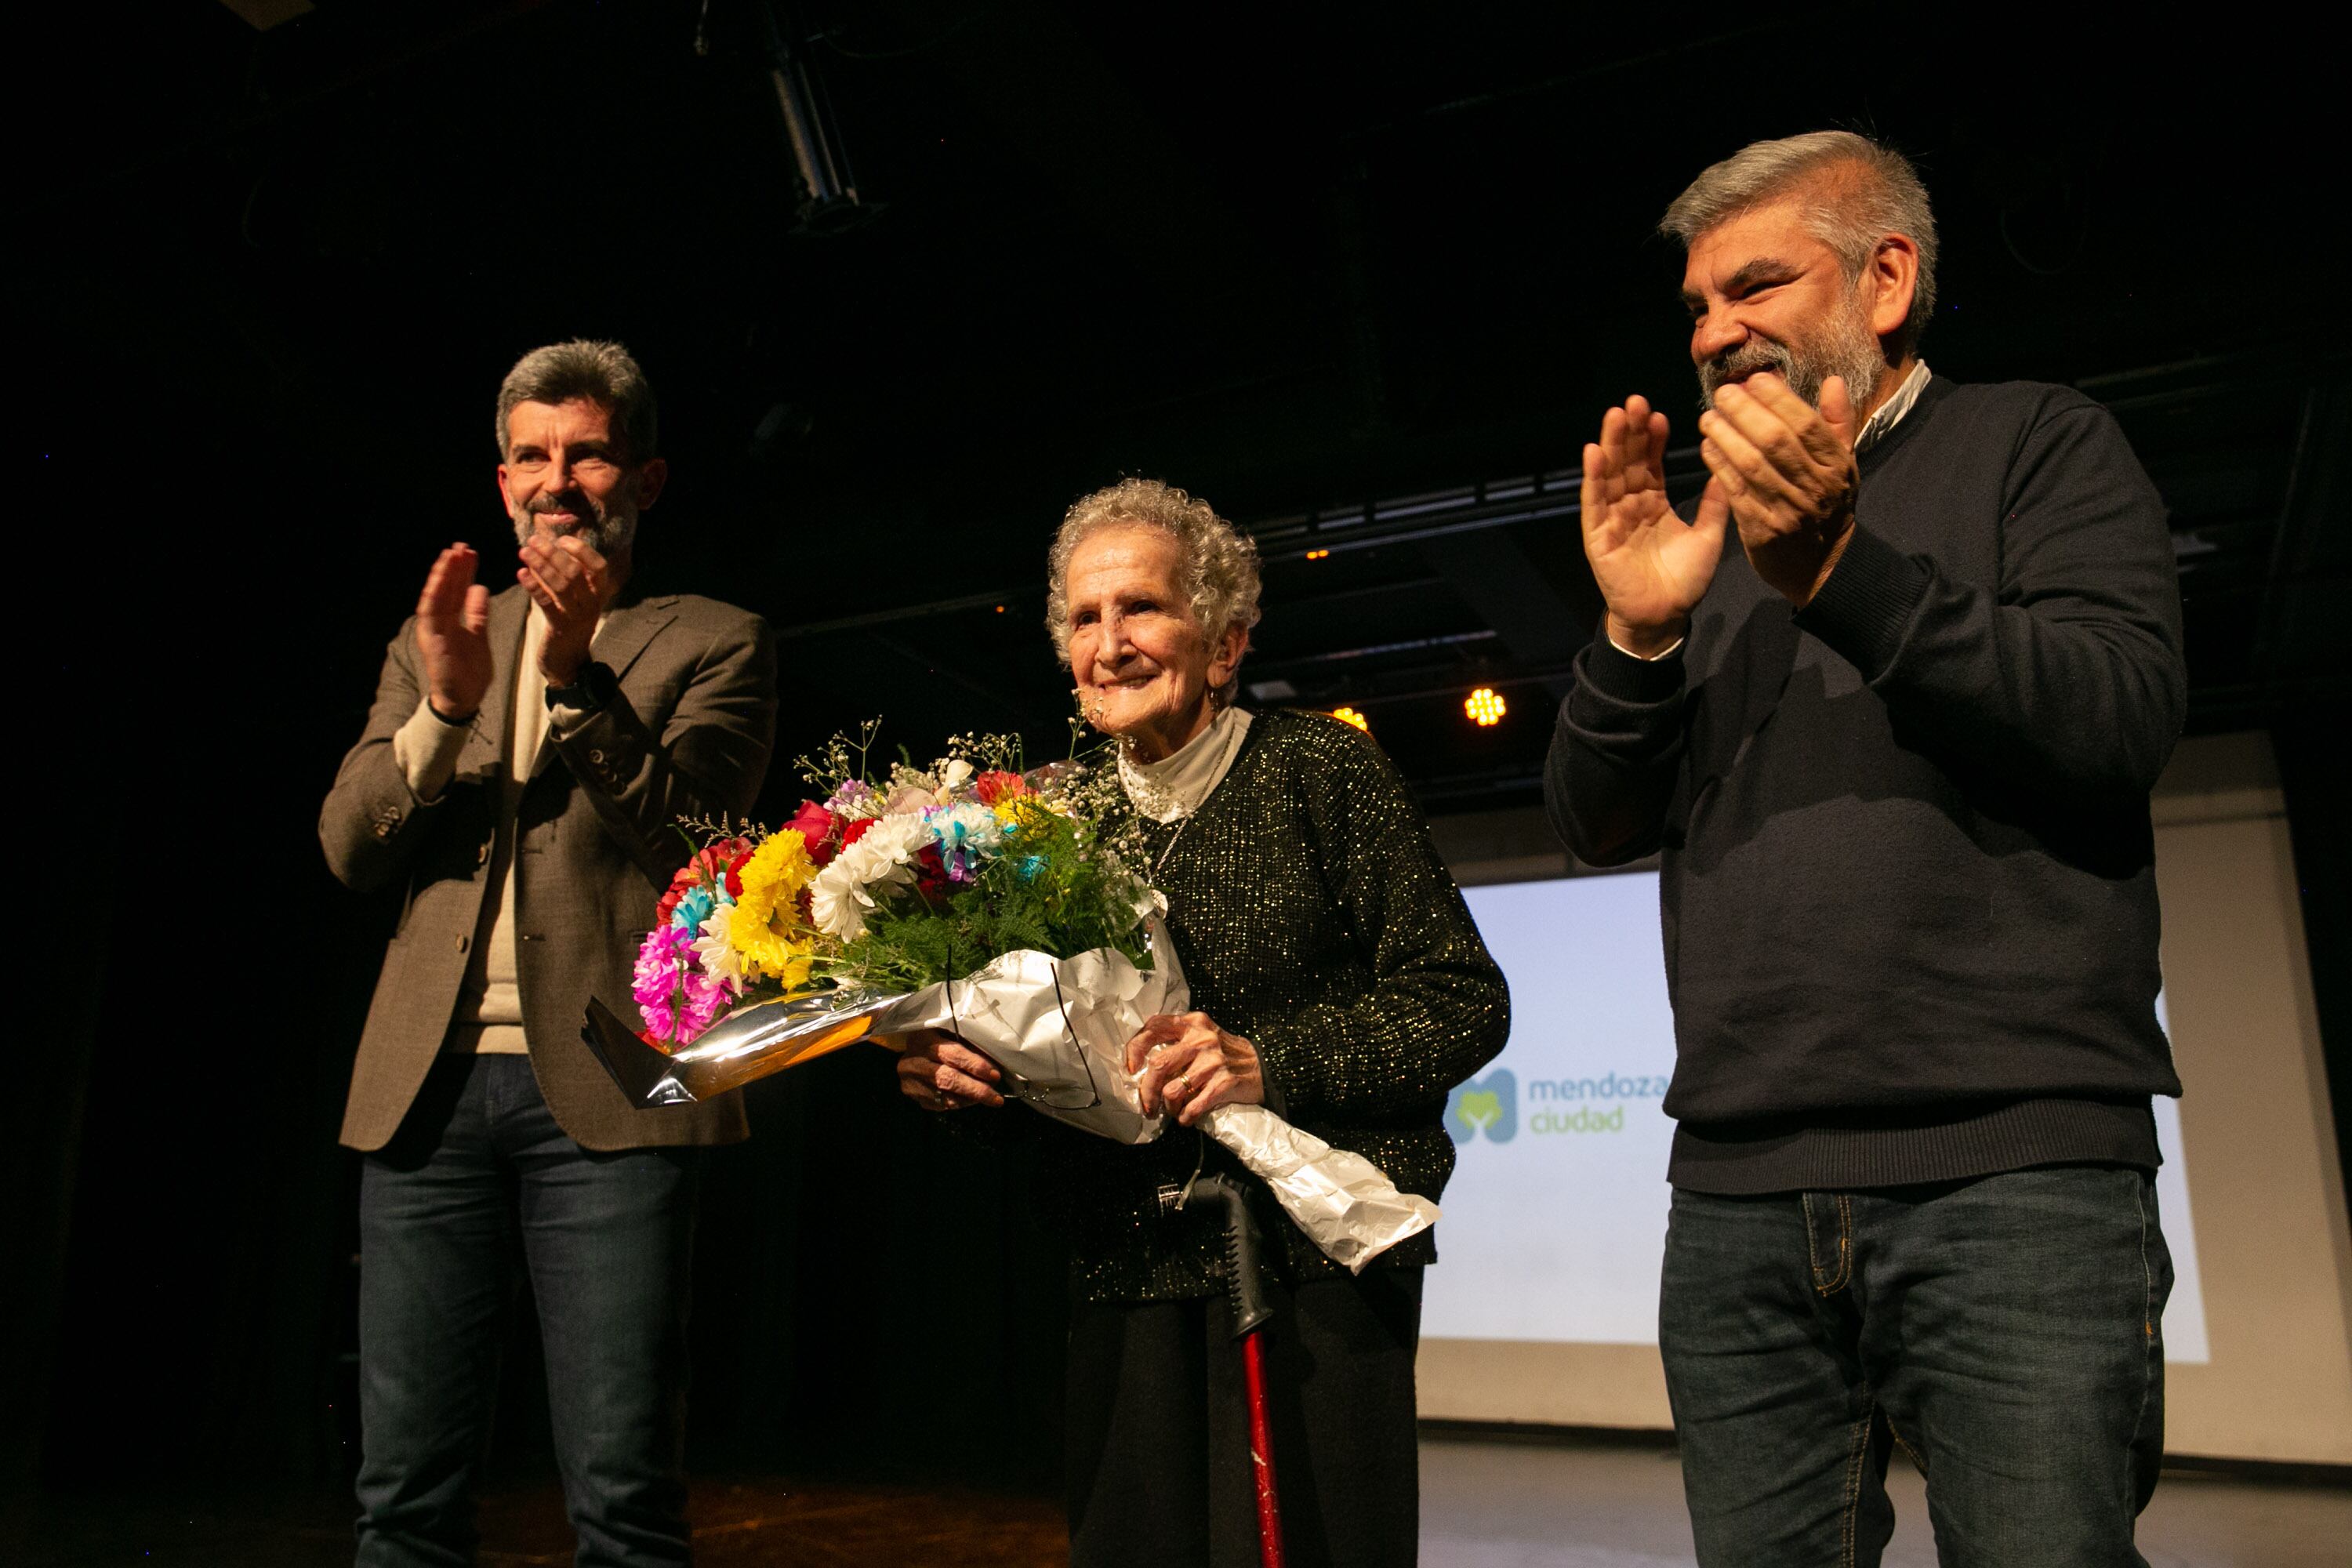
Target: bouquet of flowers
{"points": [[891, 885], [1000, 903]]}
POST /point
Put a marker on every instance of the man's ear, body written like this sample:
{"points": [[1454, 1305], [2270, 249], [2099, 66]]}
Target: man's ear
{"points": [[505, 495], [650, 481], [1892, 278]]}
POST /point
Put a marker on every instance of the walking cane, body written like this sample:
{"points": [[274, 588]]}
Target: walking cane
{"points": [[1245, 1289]]}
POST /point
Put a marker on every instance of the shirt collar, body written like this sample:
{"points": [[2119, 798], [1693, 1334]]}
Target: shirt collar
{"points": [[1890, 412]]}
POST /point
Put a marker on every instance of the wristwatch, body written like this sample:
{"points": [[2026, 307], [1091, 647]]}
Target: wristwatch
{"points": [[591, 689]]}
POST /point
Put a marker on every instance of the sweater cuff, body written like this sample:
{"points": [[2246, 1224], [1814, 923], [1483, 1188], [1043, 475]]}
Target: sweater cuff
{"points": [[1866, 606], [1618, 675], [1274, 1099], [426, 748], [1287, 1072]]}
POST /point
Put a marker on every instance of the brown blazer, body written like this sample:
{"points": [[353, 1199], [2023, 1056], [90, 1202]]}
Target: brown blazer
{"points": [[689, 735]]}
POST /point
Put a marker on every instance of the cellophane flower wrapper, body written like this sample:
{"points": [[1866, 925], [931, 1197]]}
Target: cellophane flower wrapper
{"points": [[1056, 1028], [1344, 1202]]}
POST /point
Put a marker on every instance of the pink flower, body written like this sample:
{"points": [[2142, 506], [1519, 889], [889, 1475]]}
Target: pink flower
{"points": [[676, 1000], [908, 799]]}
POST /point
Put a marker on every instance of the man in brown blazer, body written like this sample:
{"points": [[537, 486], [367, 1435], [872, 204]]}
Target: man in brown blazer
{"points": [[522, 773]]}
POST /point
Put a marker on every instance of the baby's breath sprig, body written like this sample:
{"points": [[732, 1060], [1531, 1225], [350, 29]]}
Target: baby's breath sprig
{"points": [[840, 761], [987, 752]]}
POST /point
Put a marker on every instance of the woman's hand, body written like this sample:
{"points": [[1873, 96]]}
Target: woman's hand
{"points": [[1189, 1066], [940, 1072]]}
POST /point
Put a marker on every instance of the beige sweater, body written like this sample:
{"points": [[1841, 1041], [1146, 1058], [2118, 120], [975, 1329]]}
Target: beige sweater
{"points": [[488, 1017]]}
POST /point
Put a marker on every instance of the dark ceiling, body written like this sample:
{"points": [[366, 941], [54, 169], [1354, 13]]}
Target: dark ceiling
{"points": [[1365, 280]]}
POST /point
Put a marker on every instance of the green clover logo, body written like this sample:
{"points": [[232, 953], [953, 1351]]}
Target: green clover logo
{"points": [[1489, 1105]]}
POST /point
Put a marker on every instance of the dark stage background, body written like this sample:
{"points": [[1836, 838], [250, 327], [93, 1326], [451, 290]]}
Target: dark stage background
{"points": [[1297, 261]]}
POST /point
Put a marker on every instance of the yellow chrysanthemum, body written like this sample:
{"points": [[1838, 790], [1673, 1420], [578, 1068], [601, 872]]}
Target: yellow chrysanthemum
{"points": [[1013, 809], [766, 928], [770, 957]]}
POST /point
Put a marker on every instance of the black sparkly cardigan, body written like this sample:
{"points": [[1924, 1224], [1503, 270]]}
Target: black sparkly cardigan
{"points": [[1314, 918]]}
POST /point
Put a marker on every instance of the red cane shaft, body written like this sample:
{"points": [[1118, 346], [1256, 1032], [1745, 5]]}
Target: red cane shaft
{"points": [[1269, 1506]]}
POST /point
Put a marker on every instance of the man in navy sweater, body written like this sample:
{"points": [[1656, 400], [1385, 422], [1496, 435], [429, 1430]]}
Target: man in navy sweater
{"points": [[1896, 752]]}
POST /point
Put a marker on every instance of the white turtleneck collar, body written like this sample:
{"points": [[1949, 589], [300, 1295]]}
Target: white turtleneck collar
{"points": [[1173, 787]]}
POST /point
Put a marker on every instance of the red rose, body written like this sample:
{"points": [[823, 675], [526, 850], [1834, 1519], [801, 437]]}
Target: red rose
{"points": [[719, 856], [815, 826], [856, 830]]}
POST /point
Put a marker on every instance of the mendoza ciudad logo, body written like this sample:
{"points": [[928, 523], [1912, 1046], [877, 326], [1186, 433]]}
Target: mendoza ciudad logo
{"points": [[1488, 1105], [1491, 1104]]}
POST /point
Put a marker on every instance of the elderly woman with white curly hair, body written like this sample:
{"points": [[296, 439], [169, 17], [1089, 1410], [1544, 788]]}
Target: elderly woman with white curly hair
{"points": [[1336, 976]]}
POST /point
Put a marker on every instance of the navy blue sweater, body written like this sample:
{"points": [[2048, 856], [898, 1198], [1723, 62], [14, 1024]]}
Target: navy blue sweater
{"points": [[1908, 878]]}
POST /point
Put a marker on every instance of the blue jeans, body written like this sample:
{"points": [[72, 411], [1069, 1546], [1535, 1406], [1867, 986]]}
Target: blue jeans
{"points": [[2005, 1330], [479, 1184]]}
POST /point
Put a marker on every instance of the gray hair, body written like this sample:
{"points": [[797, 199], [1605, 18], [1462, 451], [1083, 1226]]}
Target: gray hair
{"points": [[1863, 192], [1217, 575], [600, 373]]}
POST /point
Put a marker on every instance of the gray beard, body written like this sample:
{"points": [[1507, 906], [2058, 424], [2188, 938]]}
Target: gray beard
{"points": [[1848, 348], [609, 531]]}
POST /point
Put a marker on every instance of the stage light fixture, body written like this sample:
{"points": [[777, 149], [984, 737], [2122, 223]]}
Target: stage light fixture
{"points": [[829, 201], [1317, 554], [1350, 716], [1485, 707]]}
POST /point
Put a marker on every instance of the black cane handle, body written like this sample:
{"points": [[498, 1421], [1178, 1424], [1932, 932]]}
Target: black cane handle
{"points": [[1245, 1277]]}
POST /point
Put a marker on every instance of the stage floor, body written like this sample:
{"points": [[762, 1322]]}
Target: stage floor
{"points": [[1484, 1505]]}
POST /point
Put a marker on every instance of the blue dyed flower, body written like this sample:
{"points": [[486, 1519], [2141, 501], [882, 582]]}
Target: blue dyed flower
{"points": [[967, 831], [693, 909]]}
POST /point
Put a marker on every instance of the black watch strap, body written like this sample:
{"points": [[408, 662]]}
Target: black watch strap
{"points": [[591, 689]]}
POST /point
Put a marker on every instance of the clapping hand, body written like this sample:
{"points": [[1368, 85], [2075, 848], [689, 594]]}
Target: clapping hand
{"points": [[453, 620], [568, 580], [1789, 474], [1653, 569]]}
